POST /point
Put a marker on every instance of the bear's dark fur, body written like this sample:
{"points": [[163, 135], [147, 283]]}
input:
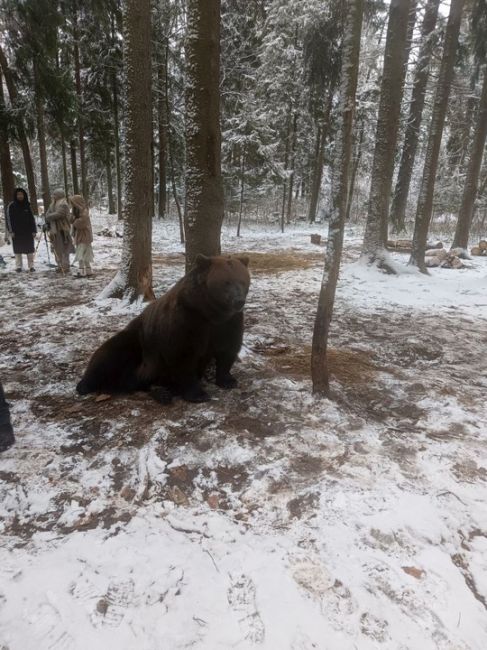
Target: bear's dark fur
{"points": [[167, 348]]}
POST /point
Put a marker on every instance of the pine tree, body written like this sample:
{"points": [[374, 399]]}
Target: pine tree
{"points": [[349, 76], [386, 135], [203, 213], [425, 201], [134, 278]]}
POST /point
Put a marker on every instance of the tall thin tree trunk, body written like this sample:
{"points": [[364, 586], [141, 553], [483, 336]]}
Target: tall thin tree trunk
{"points": [[386, 134], [134, 278], [203, 215], [24, 143], [6, 169], [473, 170], [65, 163], [425, 201], [286, 163], [41, 138], [108, 170], [74, 166], [323, 130], [79, 96], [294, 129], [242, 185], [350, 64], [118, 164], [401, 192], [170, 155], [162, 132], [353, 174]]}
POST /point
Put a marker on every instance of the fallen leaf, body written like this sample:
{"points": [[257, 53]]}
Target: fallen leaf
{"points": [[413, 571]]}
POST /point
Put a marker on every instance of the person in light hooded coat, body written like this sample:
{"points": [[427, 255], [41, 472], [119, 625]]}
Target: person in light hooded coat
{"points": [[82, 234], [58, 220]]}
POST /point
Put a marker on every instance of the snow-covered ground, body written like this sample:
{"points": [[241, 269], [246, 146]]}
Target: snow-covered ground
{"points": [[265, 518]]}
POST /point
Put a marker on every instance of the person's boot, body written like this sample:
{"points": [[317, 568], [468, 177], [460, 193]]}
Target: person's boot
{"points": [[7, 437]]}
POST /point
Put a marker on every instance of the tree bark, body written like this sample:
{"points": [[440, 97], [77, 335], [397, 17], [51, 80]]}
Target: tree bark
{"points": [[64, 161], [286, 163], [24, 143], [350, 64], [79, 96], [41, 138], [323, 129], [74, 166], [386, 134], [162, 133], [203, 215], [294, 130], [401, 192], [473, 170], [170, 155], [242, 185], [134, 278], [118, 165], [108, 170], [425, 201], [6, 169]]}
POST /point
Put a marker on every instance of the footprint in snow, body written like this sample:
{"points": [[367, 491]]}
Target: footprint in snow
{"points": [[241, 598], [47, 625]]}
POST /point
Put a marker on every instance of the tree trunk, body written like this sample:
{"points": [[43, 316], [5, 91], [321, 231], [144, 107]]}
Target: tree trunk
{"points": [[108, 169], [293, 162], [41, 138], [323, 129], [350, 64], [65, 164], [386, 134], [24, 143], [171, 157], [425, 201], [242, 185], [6, 169], [203, 215], [286, 163], [118, 166], [353, 174], [399, 202], [162, 132], [473, 170], [79, 96], [74, 167], [134, 278]]}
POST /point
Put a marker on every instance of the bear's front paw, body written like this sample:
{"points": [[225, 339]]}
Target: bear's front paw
{"points": [[226, 381], [195, 394]]}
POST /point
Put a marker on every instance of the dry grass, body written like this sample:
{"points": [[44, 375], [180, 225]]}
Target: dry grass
{"points": [[349, 367], [287, 260]]}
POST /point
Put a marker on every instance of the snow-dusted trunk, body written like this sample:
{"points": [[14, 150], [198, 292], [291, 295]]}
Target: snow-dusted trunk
{"points": [[24, 143], [170, 155], [6, 169], [134, 278], [341, 171], [293, 163], [108, 171], [286, 163], [74, 166], [473, 170], [162, 133], [80, 108], [319, 159], [64, 161], [386, 133], [408, 155], [203, 213], [425, 200], [242, 187], [118, 165], [41, 138]]}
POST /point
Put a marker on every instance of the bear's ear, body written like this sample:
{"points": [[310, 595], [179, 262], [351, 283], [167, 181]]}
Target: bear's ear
{"points": [[245, 260], [202, 262]]}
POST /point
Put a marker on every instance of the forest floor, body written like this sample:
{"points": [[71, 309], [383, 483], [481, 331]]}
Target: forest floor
{"points": [[266, 517]]}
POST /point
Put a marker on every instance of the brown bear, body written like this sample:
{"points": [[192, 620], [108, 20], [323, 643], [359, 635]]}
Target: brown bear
{"points": [[168, 347]]}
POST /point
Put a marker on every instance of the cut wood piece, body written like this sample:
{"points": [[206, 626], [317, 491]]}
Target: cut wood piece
{"points": [[456, 263], [476, 250], [432, 262], [483, 244], [459, 252], [440, 253]]}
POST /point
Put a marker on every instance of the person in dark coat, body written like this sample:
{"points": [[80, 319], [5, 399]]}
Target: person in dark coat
{"points": [[22, 229], [7, 437]]}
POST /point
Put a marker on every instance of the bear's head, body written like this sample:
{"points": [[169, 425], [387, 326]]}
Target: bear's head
{"points": [[226, 280]]}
